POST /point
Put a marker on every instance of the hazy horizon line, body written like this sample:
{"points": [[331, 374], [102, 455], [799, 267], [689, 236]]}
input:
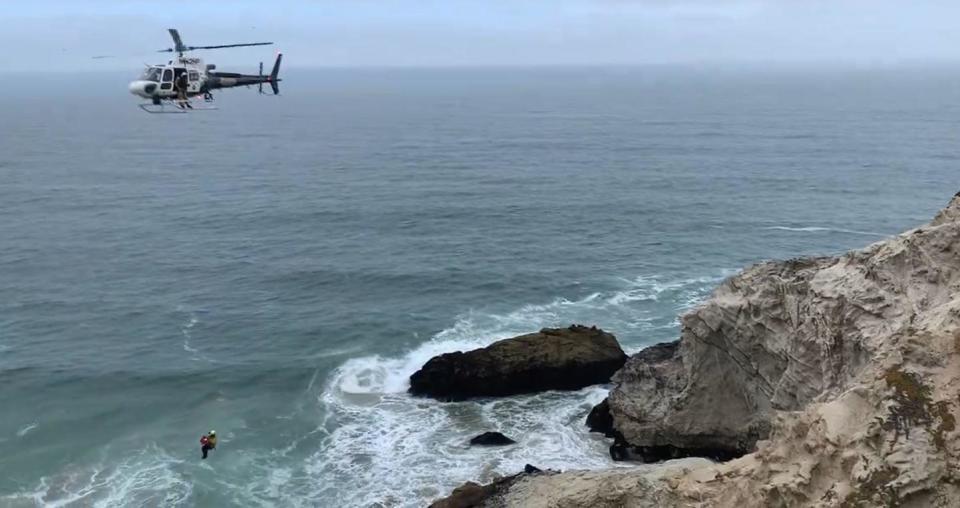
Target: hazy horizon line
{"points": [[290, 64]]}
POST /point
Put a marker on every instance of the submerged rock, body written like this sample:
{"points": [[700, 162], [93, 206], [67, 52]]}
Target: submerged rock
{"points": [[491, 439], [551, 359]]}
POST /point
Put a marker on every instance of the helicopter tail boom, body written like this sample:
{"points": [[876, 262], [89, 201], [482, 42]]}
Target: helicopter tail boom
{"points": [[230, 79]]}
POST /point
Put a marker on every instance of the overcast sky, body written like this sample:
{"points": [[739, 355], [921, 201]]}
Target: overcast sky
{"points": [[64, 34]]}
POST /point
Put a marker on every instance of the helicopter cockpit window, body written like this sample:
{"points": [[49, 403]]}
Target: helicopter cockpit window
{"points": [[167, 75], [151, 74]]}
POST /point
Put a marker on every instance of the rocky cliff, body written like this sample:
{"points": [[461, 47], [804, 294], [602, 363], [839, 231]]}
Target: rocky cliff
{"points": [[782, 334], [836, 378]]}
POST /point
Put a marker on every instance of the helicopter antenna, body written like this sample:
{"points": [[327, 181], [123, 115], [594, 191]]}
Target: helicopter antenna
{"points": [[180, 48]]}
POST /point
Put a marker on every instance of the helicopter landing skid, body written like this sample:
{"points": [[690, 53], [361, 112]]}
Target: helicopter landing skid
{"points": [[173, 109]]}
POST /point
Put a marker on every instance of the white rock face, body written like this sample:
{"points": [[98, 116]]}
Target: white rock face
{"points": [[840, 376]]}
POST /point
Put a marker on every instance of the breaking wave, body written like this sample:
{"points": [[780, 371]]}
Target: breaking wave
{"points": [[26, 429], [389, 449], [817, 229]]}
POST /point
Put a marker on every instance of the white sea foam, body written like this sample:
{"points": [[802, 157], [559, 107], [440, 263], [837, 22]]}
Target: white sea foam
{"points": [[186, 331], [817, 229], [27, 428], [146, 478], [387, 448]]}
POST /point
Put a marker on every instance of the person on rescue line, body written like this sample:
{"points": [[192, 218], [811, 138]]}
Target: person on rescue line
{"points": [[181, 85], [208, 442]]}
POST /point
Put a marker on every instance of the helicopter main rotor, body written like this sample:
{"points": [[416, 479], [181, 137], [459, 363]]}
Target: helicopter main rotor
{"points": [[180, 48]]}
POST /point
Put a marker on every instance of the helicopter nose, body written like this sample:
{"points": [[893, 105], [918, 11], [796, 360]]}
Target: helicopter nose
{"points": [[143, 88]]}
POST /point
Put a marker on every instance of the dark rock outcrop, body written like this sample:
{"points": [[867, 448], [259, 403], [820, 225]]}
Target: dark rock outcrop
{"points": [[600, 420], [491, 439], [530, 469], [551, 359]]}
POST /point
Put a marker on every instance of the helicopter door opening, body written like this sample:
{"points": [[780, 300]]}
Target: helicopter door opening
{"points": [[166, 82]]}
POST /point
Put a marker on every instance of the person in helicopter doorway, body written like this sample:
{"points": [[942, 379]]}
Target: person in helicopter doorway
{"points": [[181, 85], [208, 442]]}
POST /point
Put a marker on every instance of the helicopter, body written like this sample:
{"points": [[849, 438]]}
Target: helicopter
{"points": [[159, 83]]}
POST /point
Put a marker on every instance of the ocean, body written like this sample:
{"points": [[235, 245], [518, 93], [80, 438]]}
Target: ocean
{"points": [[276, 269]]}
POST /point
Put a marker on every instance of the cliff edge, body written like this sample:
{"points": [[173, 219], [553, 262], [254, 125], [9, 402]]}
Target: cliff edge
{"points": [[835, 380]]}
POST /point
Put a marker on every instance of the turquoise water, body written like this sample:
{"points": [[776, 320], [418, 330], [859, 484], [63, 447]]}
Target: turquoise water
{"points": [[277, 269]]}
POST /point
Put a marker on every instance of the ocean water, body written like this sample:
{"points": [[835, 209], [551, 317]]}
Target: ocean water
{"points": [[276, 269]]}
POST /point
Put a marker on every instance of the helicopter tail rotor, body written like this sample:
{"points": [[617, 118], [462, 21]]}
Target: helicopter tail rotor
{"points": [[274, 78]]}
